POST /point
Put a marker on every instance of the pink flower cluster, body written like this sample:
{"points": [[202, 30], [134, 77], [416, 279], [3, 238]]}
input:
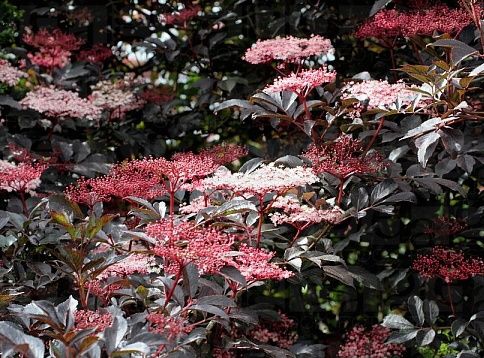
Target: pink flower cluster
{"points": [[303, 82], [182, 243], [23, 177], [104, 290], [301, 216], [287, 49], [180, 18], [133, 264], [172, 327], [393, 23], [125, 179], [449, 265], [85, 319], [261, 181], [254, 264], [146, 178], [210, 250], [98, 54], [54, 46], [9, 74], [116, 97], [343, 158], [370, 343], [59, 103], [378, 94], [278, 332]]}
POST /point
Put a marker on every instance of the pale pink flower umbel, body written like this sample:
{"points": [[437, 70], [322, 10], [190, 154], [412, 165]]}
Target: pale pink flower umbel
{"points": [[9, 74], [117, 97], [287, 49], [370, 343], [133, 264], [263, 180], [302, 82], [172, 327], [59, 103], [378, 94], [300, 215], [254, 264], [85, 319], [21, 177]]}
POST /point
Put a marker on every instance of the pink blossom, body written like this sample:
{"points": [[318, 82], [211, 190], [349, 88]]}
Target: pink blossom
{"points": [[449, 265], [393, 23], [103, 290], [303, 82], [182, 243], [53, 38], [287, 49], [54, 46], [125, 179], [254, 264], [9, 74], [378, 94], [59, 103], [301, 216], [98, 54], [180, 18], [133, 264], [23, 177], [195, 205], [172, 327], [50, 58], [370, 343], [85, 319], [261, 181], [278, 332], [343, 158], [117, 97], [147, 178]]}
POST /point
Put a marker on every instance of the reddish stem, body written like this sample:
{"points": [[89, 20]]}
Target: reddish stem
{"points": [[375, 135], [339, 198], [170, 293]]}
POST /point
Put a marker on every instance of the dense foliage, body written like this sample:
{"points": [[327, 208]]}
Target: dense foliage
{"points": [[241, 179]]}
